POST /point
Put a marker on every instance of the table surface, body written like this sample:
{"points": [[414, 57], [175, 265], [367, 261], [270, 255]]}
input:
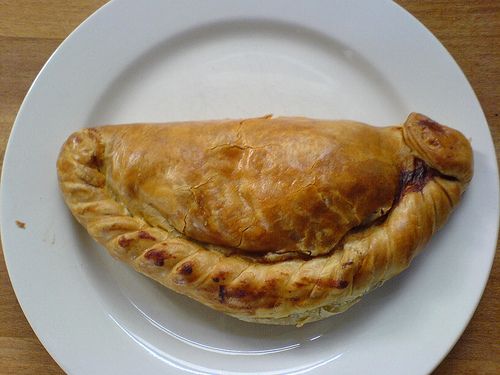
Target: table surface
{"points": [[30, 30]]}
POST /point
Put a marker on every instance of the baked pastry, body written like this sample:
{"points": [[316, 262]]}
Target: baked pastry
{"points": [[270, 220]]}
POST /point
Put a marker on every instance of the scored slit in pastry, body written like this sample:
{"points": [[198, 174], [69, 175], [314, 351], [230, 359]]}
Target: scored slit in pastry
{"points": [[270, 220]]}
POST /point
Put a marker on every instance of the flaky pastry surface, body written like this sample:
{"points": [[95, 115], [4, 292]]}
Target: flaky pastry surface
{"points": [[271, 220]]}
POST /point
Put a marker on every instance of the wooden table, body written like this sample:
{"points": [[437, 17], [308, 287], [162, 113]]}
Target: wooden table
{"points": [[30, 30]]}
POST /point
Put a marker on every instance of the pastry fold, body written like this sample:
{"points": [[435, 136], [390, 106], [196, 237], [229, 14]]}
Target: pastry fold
{"points": [[271, 220]]}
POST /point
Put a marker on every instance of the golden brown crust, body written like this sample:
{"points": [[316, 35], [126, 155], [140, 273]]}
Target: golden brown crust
{"points": [[258, 184], [195, 205]]}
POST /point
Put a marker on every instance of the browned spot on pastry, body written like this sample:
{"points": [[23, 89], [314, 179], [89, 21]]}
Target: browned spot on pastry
{"points": [[95, 162], [116, 227], [266, 294], [342, 284], [431, 124], [158, 256], [252, 295], [222, 293], [124, 242], [186, 268], [77, 139], [146, 236], [434, 142], [272, 304], [331, 283], [239, 293], [271, 284], [301, 283], [322, 283], [20, 224], [294, 236], [220, 276]]}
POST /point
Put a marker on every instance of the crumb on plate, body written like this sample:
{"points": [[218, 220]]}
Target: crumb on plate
{"points": [[20, 224]]}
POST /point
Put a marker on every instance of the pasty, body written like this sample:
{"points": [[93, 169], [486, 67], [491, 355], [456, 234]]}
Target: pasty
{"points": [[270, 220]]}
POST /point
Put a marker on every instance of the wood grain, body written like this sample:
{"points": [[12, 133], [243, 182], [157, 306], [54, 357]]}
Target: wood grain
{"points": [[31, 30]]}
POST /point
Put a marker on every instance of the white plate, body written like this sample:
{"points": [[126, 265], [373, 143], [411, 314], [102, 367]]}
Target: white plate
{"points": [[171, 60]]}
